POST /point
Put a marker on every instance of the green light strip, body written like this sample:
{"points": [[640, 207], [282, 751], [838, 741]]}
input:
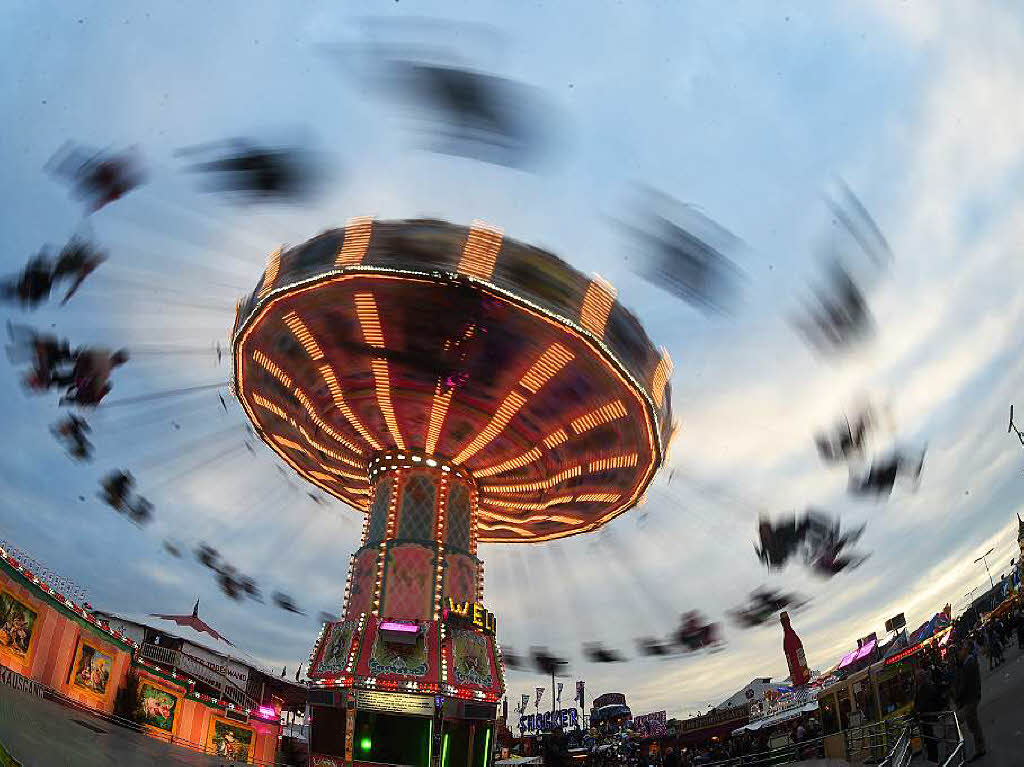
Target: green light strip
{"points": [[430, 742]]}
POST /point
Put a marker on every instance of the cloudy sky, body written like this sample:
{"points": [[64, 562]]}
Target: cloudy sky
{"points": [[752, 116]]}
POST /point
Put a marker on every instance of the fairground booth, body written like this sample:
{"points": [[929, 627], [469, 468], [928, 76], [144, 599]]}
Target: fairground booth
{"points": [[610, 713], [56, 648], [875, 682]]}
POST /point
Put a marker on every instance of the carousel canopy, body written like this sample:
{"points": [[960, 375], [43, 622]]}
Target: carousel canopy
{"points": [[420, 340]]}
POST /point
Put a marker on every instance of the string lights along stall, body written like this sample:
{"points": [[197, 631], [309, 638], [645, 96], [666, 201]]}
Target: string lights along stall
{"points": [[458, 388]]}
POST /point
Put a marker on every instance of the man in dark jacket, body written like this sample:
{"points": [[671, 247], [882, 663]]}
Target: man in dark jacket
{"points": [[967, 693], [555, 752], [928, 704]]}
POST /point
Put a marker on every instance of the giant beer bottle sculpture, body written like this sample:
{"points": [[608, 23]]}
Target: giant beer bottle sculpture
{"points": [[794, 649]]}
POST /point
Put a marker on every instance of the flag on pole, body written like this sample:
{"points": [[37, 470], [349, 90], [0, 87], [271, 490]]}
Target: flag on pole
{"points": [[559, 696], [579, 691], [525, 703], [540, 694]]}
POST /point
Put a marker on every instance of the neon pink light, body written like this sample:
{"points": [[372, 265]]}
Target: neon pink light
{"points": [[407, 628], [848, 659], [865, 651], [267, 712]]}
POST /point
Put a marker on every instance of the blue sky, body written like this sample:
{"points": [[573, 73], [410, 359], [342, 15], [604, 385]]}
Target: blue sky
{"points": [[750, 113]]}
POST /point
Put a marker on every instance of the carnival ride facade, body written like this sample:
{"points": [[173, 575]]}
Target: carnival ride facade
{"points": [[458, 388]]}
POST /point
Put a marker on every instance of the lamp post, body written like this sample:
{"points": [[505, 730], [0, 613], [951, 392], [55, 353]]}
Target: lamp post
{"points": [[984, 558]]}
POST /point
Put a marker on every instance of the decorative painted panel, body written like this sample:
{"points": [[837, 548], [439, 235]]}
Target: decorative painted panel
{"points": [[460, 577], [379, 513], [416, 521], [408, 588], [364, 577], [416, 662], [337, 645], [471, 663], [458, 517]]}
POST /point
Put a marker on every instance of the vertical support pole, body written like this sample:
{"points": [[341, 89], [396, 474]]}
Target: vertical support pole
{"points": [[350, 729]]}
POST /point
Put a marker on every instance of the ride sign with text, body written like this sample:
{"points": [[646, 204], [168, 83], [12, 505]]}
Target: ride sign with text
{"points": [[564, 718]]}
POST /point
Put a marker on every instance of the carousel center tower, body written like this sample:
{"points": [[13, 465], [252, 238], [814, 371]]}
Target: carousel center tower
{"points": [[456, 387]]}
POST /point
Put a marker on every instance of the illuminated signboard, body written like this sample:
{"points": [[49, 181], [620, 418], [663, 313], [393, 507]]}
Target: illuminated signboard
{"points": [[395, 702], [470, 614], [905, 654], [650, 725], [564, 718]]}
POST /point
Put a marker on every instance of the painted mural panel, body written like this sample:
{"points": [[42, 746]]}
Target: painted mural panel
{"points": [[337, 645], [364, 577], [230, 740], [409, 582], [470, 658], [401, 659], [157, 706], [17, 626], [90, 669]]}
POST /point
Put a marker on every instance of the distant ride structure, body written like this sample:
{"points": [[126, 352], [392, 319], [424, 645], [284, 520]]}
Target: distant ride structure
{"points": [[457, 387]]}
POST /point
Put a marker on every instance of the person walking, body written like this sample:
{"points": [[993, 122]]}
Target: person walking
{"points": [[928, 705], [995, 644], [967, 694]]}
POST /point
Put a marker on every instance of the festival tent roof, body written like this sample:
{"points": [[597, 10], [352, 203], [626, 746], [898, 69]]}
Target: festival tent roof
{"points": [[937, 622], [898, 644], [609, 712], [198, 633], [782, 716]]}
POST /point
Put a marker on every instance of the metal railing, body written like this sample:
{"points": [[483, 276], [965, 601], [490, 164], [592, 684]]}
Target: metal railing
{"points": [[876, 742], [183, 662], [942, 732], [811, 748], [887, 744], [890, 743], [901, 754]]}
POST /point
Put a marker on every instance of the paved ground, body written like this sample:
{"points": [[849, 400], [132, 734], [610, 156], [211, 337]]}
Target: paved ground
{"points": [[1002, 711], [41, 733]]}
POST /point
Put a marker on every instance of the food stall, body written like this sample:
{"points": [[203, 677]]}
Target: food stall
{"points": [[881, 691]]}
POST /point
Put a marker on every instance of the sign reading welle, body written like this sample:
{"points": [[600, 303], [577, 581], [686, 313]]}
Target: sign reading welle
{"points": [[470, 614], [566, 717]]}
